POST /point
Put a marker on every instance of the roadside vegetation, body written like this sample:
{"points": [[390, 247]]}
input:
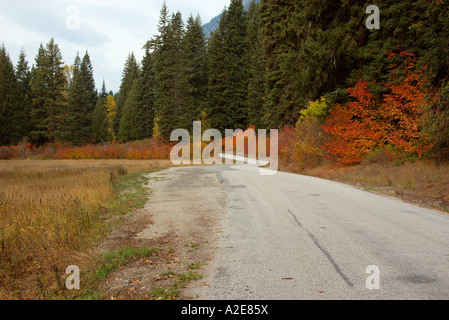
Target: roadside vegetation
{"points": [[55, 211]]}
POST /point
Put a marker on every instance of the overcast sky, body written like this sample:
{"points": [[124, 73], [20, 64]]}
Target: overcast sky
{"points": [[108, 29]]}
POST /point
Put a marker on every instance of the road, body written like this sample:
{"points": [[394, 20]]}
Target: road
{"points": [[293, 237]]}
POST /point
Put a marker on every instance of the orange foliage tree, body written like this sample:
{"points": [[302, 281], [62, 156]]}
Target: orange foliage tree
{"points": [[368, 122]]}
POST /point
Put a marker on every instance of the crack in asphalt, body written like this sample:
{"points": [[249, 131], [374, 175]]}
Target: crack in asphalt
{"points": [[324, 251]]}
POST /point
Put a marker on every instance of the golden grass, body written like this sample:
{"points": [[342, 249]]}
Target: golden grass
{"points": [[52, 208], [422, 182]]}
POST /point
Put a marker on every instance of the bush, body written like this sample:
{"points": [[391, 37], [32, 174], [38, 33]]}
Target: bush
{"points": [[7, 153]]}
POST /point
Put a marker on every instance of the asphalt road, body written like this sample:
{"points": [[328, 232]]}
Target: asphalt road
{"points": [[294, 237]]}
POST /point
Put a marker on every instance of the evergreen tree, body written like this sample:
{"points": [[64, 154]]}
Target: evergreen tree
{"points": [[87, 75], [128, 128], [103, 93], [196, 70], [215, 109], [23, 76], [279, 104], [78, 120], [255, 65], [170, 66], [146, 100], [228, 81], [101, 131], [8, 102], [130, 73], [236, 73], [48, 84]]}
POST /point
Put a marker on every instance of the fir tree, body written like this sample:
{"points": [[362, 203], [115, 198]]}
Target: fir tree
{"points": [[255, 65], [8, 103], [145, 112], [48, 84], [236, 74], [170, 66], [23, 76], [216, 105], [130, 73], [87, 75], [128, 128], [103, 93], [196, 70], [101, 131], [78, 120]]}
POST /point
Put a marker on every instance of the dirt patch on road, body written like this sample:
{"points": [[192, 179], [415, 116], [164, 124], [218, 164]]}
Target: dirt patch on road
{"points": [[182, 220]]}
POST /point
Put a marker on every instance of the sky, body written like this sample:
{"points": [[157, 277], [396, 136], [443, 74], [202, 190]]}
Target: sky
{"points": [[108, 29]]}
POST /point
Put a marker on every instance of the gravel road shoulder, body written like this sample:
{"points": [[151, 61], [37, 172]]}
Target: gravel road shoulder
{"points": [[183, 219]]}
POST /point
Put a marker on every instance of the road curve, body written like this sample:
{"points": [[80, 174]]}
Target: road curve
{"points": [[293, 237]]}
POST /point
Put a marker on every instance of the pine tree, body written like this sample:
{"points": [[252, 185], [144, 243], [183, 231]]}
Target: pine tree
{"points": [[227, 94], [170, 66], [130, 73], [196, 70], [256, 66], [87, 74], [23, 76], [103, 93], [8, 100], [101, 131], [216, 105], [128, 128], [146, 100], [48, 84], [78, 123], [236, 80]]}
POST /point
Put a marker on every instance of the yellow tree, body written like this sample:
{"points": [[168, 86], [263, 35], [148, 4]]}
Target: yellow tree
{"points": [[110, 106]]}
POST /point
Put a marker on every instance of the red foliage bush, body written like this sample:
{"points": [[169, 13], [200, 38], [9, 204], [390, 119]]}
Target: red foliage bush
{"points": [[368, 123]]}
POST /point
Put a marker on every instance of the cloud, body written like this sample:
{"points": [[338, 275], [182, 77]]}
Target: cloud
{"points": [[108, 29]]}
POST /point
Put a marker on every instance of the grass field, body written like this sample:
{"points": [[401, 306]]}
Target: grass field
{"points": [[50, 210]]}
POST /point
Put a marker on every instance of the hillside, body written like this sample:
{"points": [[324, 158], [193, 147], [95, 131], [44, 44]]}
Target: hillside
{"points": [[213, 24]]}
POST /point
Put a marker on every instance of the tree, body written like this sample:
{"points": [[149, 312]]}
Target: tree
{"points": [[103, 94], [256, 66], [196, 70], [101, 131], [226, 106], [23, 76], [145, 112], [87, 75], [48, 84], [78, 122], [393, 120], [279, 42], [171, 77], [110, 106], [236, 79], [130, 73], [216, 92], [128, 128], [8, 100]]}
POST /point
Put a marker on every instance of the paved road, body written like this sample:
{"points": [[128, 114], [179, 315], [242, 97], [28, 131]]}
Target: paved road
{"points": [[295, 237]]}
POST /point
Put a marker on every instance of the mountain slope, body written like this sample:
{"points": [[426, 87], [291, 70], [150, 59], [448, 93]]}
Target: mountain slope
{"points": [[213, 24]]}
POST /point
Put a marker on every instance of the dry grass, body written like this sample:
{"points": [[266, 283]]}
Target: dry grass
{"points": [[422, 182], [51, 209]]}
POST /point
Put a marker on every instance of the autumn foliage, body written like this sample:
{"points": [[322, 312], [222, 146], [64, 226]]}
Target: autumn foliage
{"points": [[392, 118]]}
